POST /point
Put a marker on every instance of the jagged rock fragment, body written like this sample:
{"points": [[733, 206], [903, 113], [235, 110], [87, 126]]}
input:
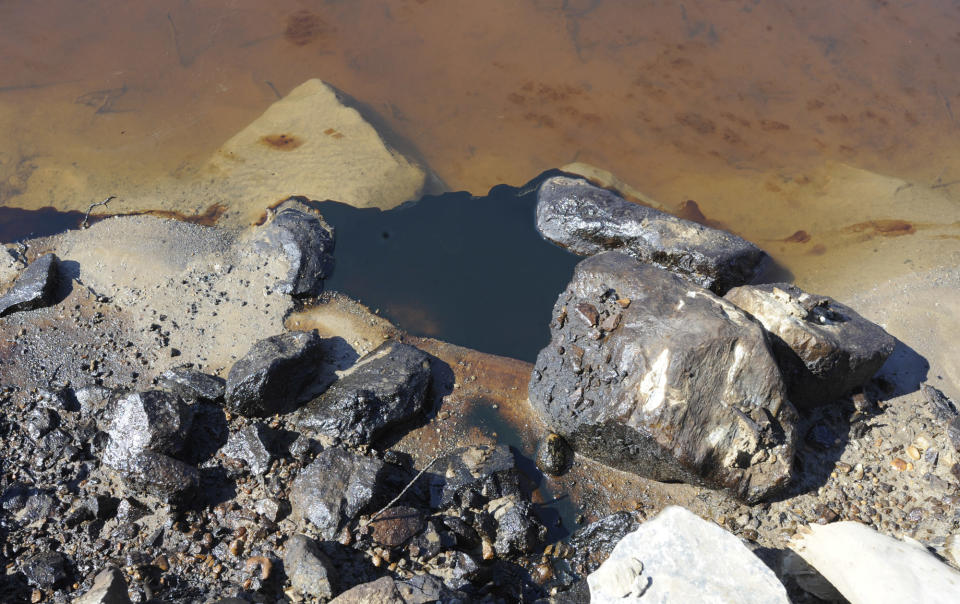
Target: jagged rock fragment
{"points": [[273, 376], [824, 348], [250, 444], [109, 587], [334, 489], [34, 288], [193, 385], [385, 387], [679, 557], [309, 570], [307, 242]]}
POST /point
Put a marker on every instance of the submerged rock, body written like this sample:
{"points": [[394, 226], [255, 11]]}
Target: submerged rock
{"points": [[679, 557], [470, 471], [193, 385], [109, 587], [866, 566], [306, 240], [653, 375], [385, 387], [273, 376], [308, 569], [312, 142], [588, 220], [825, 349], [34, 288], [334, 489]]}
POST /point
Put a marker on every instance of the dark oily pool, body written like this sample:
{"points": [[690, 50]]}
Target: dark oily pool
{"points": [[468, 270]]}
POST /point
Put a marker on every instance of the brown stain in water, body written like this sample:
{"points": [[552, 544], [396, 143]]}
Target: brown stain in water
{"points": [[208, 217], [800, 236], [282, 142], [882, 228], [303, 27], [708, 101]]}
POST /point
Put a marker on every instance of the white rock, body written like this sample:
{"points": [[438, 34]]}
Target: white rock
{"points": [[679, 557], [867, 567]]}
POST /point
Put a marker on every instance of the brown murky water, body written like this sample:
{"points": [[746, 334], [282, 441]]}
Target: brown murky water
{"points": [[825, 131]]}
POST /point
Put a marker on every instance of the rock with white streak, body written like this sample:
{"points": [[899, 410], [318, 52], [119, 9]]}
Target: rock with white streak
{"points": [[653, 375], [679, 557]]}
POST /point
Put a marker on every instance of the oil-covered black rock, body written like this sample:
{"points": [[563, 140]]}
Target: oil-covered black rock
{"points": [[274, 375], [385, 387], [588, 220], [652, 374]]}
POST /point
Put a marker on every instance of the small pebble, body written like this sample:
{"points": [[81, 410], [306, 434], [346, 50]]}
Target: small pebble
{"points": [[488, 551], [913, 452], [899, 464]]}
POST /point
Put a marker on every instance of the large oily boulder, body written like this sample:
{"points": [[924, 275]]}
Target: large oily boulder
{"points": [[588, 220], [653, 375], [868, 567], [679, 557], [824, 348]]}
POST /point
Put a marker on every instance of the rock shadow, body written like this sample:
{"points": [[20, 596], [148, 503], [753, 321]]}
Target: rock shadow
{"points": [[18, 224], [216, 487], [823, 434], [208, 433], [338, 355], [773, 272], [67, 271], [353, 568], [903, 373]]}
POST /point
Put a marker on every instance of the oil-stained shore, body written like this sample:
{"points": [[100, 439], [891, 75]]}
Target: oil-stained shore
{"points": [[139, 295]]}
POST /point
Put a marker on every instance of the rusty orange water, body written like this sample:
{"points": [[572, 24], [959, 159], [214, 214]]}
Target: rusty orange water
{"points": [[837, 119]]}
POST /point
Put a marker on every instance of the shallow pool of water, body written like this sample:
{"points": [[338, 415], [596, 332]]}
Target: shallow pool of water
{"points": [[809, 128], [464, 269]]}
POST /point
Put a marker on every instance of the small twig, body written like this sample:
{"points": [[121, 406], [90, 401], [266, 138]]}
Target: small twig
{"points": [[86, 218], [405, 489]]}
